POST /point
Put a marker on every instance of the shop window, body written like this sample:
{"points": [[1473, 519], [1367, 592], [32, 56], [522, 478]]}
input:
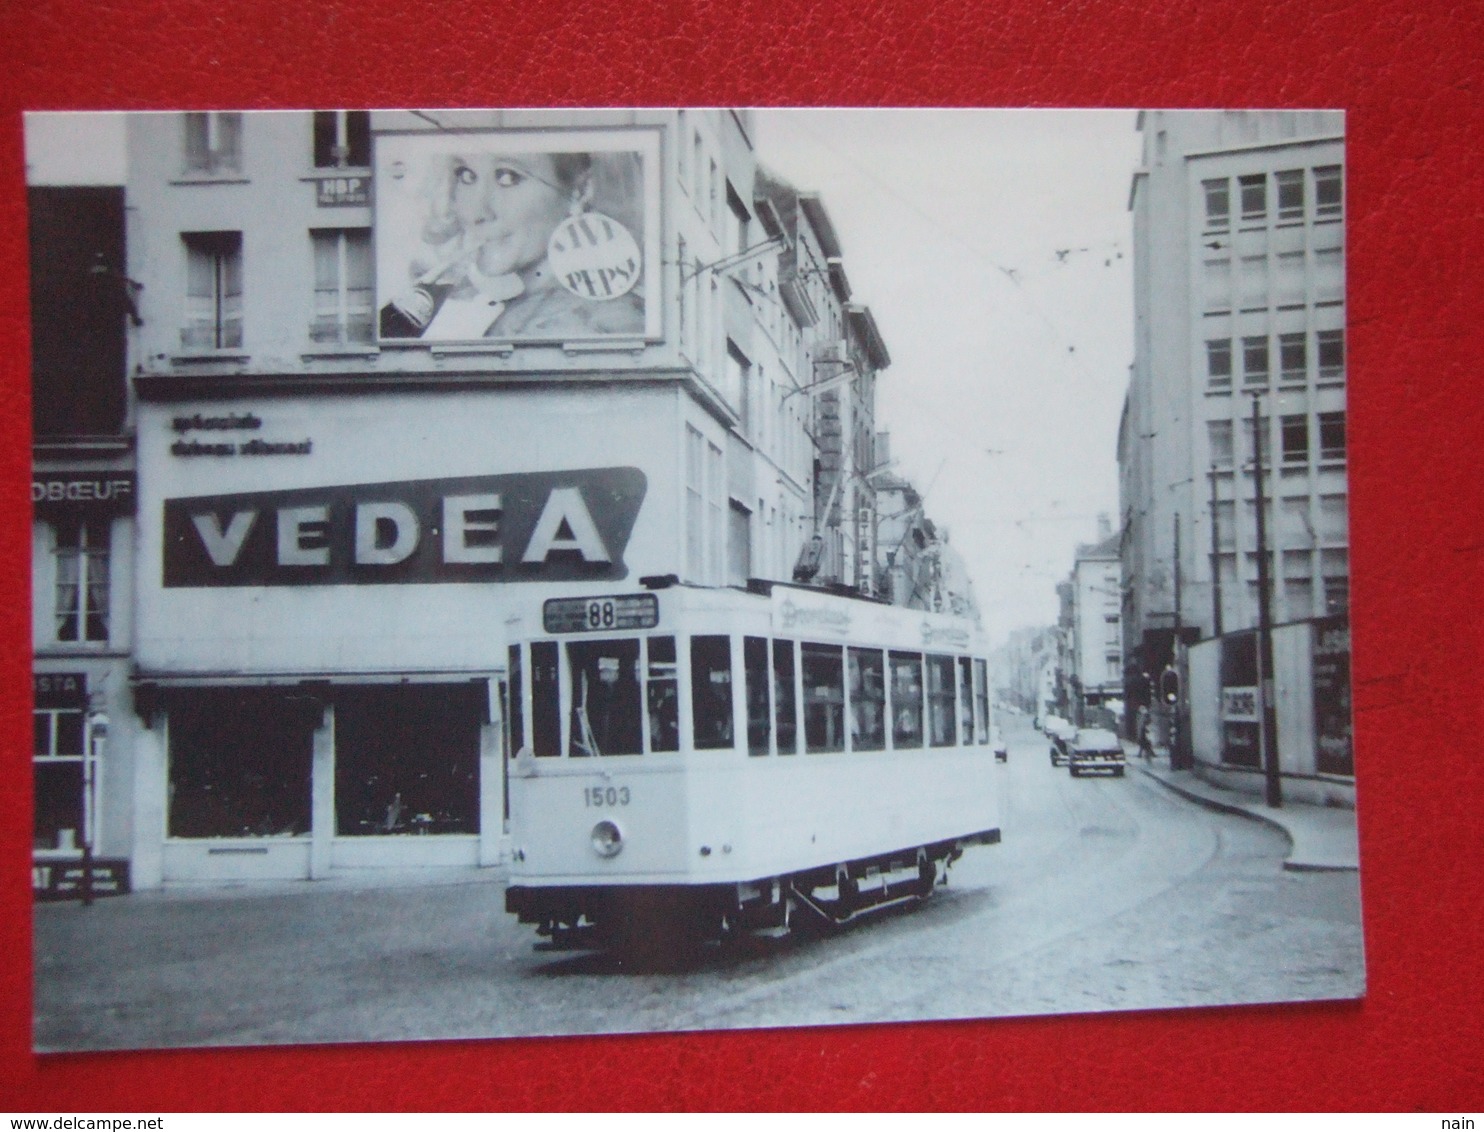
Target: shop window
{"points": [[1293, 358], [663, 696], [1219, 363], [1328, 192], [213, 143], [1219, 439], [342, 138], [756, 678], [546, 718], [1331, 355], [1290, 183], [1253, 194], [604, 681], [342, 286], [981, 701], [965, 700], [941, 718], [240, 763], [1331, 436], [785, 703], [867, 672], [213, 315], [1218, 202], [82, 580], [711, 691], [1295, 439], [407, 758], [59, 814], [1255, 361], [824, 698], [906, 699], [515, 712]]}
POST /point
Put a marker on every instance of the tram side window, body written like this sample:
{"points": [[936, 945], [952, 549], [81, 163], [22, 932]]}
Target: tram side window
{"points": [[759, 709], [515, 709], [906, 699], [966, 700], [664, 696], [867, 700], [940, 701], [981, 700], [711, 691], [824, 698], [546, 718], [605, 698], [785, 706]]}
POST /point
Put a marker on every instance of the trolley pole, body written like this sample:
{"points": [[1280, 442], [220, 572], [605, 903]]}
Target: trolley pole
{"points": [[1265, 623]]}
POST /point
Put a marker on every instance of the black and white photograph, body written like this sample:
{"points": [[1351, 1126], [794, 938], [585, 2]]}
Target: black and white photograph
{"points": [[540, 572]]}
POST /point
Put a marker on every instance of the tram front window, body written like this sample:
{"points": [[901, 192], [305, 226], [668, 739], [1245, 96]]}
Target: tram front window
{"points": [[785, 704], [546, 714], [940, 701], [711, 691], [824, 698], [867, 701], [755, 679], [965, 700], [981, 700], [906, 699], [604, 678], [664, 696]]}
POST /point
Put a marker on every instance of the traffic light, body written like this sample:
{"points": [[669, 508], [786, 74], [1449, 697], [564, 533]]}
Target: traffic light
{"points": [[1169, 686]]}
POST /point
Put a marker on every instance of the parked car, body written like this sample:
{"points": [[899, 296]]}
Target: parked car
{"points": [[1001, 751], [1060, 732], [1093, 749]]}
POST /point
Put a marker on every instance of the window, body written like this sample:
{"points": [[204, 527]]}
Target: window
{"points": [[711, 691], [213, 316], [1255, 449], [1218, 203], [604, 681], [965, 700], [546, 720], [1254, 196], [705, 533], [1295, 439], [1219, 363], [515, 706], [824, 698], [1219, 439], [906, 699], [867, 700], [1331, 436], [1290, 194], [1290, 285], [737, 221], [1333, 524], [940, 701], [981, 701], [785, 703], [60, 813], [1112, 632], [1218, 284], [663, 696], [82, 580], [213, 143], [342, 138], [1331, 355], [1255, 361], [756, 679], [1253, 281], [1328, 192], [342, 286], [1293, 358], [1113, 668], [1336, 595], [1329, 275], [738, 375]]}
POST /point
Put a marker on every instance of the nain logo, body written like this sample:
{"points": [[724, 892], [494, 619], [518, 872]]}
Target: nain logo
{"points": [[535, 526]]}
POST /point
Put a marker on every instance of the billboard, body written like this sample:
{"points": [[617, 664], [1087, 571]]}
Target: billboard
{"points": [[517, 235]]}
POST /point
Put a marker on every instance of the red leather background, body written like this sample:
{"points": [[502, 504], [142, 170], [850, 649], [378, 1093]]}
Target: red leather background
{"points": [[1405, 71]]}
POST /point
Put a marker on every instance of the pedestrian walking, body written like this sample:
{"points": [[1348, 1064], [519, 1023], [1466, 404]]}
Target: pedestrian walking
{"points": [[1146, 749]]}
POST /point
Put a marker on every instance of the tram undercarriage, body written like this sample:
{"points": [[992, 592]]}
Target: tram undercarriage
{"points": [[656, 919]]}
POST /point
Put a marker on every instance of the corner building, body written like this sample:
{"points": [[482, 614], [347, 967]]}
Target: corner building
{"points": [[396, 372]]}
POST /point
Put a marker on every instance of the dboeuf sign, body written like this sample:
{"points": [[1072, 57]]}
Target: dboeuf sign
{"points": [[532, 526]]}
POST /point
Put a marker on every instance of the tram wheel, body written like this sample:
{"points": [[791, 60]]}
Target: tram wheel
{"points": [[927, 874]]}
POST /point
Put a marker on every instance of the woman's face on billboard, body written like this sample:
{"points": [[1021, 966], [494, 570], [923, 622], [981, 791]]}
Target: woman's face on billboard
{"points": [[508, 205]]}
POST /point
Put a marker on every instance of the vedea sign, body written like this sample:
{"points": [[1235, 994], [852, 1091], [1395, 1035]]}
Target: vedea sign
{"points": [[526, 527]]}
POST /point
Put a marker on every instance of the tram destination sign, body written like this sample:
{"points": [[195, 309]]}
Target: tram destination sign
{"points": [[600, 614]]}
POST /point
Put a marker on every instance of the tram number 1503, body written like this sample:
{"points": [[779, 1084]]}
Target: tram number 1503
{"points": [[598, 796]]}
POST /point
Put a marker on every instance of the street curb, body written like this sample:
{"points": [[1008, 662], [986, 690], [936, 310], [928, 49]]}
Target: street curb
{"points": [[1289, 865]]}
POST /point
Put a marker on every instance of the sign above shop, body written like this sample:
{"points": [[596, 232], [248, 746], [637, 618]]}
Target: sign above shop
{"points": [[114, 491], [334, 192], [60, 689], [600, 614], [525, 527]]}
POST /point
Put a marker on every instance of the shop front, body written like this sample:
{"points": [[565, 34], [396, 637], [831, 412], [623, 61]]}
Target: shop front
{"points": [[321, 638]]}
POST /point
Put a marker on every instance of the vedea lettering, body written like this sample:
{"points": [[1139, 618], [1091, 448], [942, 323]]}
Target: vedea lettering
{"points": [[546, 526]]}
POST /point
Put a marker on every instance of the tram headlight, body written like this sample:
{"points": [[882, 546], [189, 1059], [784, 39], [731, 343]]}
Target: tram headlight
{"points": [[607, 839]]}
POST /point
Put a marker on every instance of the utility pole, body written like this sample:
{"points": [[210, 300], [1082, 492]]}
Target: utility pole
{"points": [[1178, 760], [1265, 623], [1215, 563]]}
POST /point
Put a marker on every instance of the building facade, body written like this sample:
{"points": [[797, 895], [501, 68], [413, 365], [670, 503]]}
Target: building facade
{"points": [[370, 380], [1239, 248]]}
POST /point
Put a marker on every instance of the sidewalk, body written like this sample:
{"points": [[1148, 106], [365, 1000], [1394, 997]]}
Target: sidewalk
{"points": [[1322, 838]]}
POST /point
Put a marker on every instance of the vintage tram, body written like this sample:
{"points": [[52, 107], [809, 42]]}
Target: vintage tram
{"points": [[690, 762]]}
